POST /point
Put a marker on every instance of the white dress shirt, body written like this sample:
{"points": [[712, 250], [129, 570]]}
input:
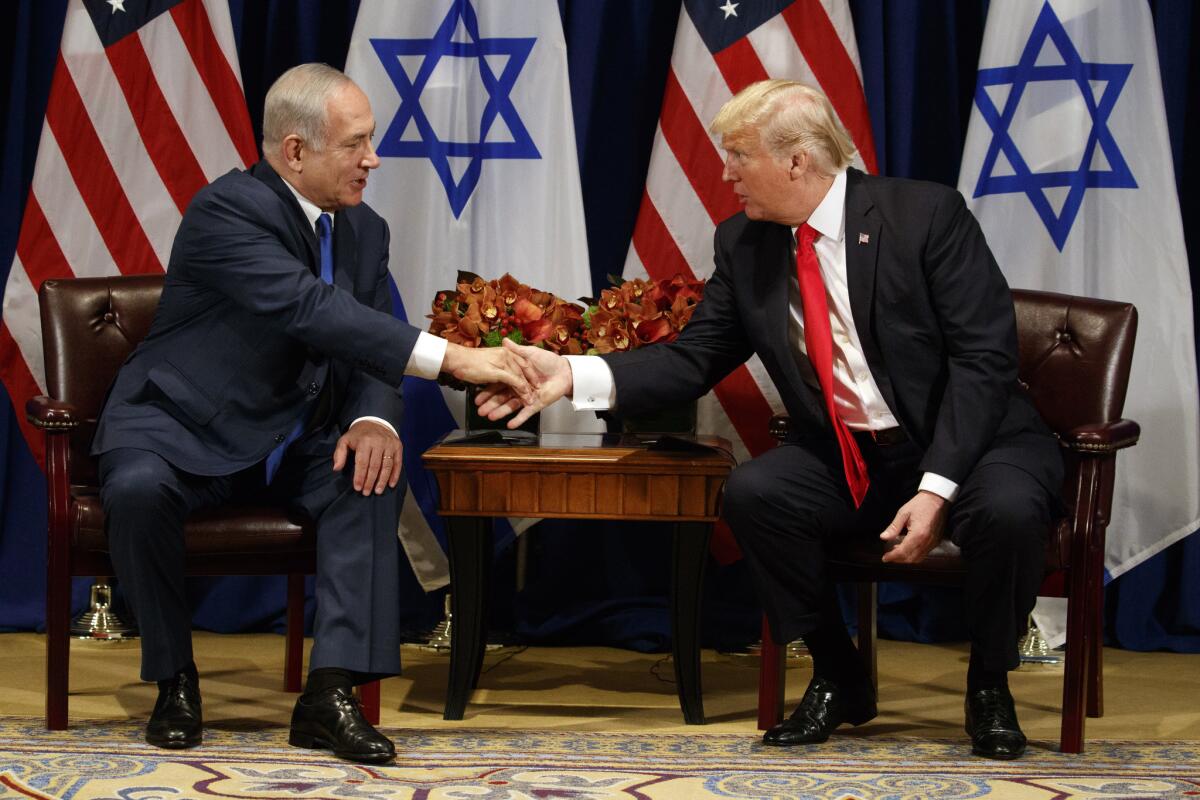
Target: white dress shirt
{"points": [[429, 350], [855, 393]]}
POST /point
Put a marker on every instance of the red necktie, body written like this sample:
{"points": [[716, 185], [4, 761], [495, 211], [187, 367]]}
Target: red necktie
{"points": [[818, 339]]}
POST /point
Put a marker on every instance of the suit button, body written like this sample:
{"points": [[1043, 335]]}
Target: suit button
{"points": [[279, 437], [313, 388]]}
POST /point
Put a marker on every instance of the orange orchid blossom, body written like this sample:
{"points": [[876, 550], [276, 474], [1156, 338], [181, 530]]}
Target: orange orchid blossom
{"points": [[631, 314]]}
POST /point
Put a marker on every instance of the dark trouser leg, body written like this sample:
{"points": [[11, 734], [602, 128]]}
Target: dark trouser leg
{"points": [[1000, 521], [782, 507], [357, 625], [145, 503]]}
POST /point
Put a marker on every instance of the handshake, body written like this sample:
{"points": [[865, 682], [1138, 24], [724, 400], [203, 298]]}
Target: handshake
{"points": [[515, 378]]}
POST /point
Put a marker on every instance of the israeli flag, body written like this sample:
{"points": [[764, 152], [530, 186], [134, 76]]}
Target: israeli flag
{"points": [[479, 172], [1067, 166]]}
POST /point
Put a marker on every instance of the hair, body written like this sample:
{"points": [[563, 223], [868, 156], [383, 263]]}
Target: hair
{"points": [[297, 104], [787, 116]]}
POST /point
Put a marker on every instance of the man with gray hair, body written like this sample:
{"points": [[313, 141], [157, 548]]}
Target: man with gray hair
{"points": [[273, 369], [889, 332]]}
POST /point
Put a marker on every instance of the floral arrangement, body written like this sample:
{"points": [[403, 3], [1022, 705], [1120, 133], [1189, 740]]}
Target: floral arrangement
{"points": [[481, 313]]}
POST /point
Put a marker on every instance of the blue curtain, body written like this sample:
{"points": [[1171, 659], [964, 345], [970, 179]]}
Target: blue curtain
{"points": [[608, 584]]}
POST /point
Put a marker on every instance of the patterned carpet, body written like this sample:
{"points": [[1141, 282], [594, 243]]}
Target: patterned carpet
{"points": [[109, 760]]}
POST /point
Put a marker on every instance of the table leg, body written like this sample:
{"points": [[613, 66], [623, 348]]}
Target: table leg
{"points": [[470, 551], [687, 580]]}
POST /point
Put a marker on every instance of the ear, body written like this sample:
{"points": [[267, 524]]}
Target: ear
{"points": [[292, 148], [799, 165]]}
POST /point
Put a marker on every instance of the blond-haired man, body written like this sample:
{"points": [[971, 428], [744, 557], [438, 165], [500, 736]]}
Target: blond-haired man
{"points": [[888, 330]]}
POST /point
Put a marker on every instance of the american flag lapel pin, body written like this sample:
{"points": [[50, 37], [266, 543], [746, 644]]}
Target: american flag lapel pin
{"points": [[864, 238]]}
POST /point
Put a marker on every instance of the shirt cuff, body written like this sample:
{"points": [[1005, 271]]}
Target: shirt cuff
{"points": [[942, 487], [427, 356], [380, 420], [594, 388]]}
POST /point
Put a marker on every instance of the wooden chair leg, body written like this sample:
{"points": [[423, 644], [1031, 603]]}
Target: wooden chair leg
{"points": [[1095, 670], [868, 605], [293, 662], [368, 698], [772, 680], [1074, 673], [58, 651], [58, 623]]}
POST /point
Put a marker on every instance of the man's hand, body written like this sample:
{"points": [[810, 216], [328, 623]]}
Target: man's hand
{"points": [[376, 456], [917, 529], [489, 365], [548, 372]]}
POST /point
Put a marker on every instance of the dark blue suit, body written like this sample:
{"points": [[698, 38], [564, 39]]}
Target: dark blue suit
{"points": [[246, 342]]}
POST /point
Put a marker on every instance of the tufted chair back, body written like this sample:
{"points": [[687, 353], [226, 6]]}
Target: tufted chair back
{"points": [[89, 327], [1075, 354], [1074, 358]]}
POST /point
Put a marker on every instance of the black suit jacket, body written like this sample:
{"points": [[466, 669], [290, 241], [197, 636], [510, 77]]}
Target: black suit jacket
{"points": [[931, 308], [247, 337]]}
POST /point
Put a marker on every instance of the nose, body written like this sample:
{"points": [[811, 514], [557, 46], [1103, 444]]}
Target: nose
{"points": [[371, 159], [727, 172]]}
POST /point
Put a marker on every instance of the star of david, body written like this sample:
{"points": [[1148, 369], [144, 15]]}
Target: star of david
{"points": [[499, 101], [1083, 177]]}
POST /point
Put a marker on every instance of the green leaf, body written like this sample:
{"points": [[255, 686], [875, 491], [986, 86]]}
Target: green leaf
{"points": [[492, 338], [516, 335]]}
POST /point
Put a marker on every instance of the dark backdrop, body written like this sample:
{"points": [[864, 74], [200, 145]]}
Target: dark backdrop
{"points": [[608, 584]]}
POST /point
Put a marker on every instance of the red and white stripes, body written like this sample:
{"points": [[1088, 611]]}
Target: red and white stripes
{"points": [[132, 132]]}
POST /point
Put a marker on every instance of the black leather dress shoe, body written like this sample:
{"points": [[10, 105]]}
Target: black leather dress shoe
{"points": [[824, 707], [176, 721], [992, 724], [332, 720]]}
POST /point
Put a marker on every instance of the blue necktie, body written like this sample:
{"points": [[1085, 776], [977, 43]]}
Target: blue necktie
{"points": [[325, 239]]}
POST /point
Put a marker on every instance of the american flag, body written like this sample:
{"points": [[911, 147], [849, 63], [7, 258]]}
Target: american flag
{"points": [[145, 108], [720, 49]]}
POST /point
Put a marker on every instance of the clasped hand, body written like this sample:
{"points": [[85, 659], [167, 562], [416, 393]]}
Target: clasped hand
{"points": [[495, 368], [547, 374]]}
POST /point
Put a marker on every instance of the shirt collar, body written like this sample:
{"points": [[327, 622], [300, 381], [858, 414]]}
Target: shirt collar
{"points": [[311, 210], [829, 217]]}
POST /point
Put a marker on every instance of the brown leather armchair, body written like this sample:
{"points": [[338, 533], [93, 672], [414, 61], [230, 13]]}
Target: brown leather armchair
{"points": [[1075, 355], [89, 326]]}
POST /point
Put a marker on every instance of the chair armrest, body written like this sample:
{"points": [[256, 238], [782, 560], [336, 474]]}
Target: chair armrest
{"points": [[1104, 437], [51, 415]]}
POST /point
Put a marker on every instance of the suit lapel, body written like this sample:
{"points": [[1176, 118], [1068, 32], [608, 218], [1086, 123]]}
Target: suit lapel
{"points": [[862, 252], [862, 260], [296, 220]]}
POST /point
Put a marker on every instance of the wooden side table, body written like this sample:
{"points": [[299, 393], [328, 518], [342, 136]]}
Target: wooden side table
{"points": [[578, 476]]}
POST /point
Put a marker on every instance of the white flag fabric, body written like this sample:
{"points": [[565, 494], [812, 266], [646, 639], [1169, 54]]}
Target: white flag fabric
{"points": [[1067, 166], [718, 51], [479, 172]]}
